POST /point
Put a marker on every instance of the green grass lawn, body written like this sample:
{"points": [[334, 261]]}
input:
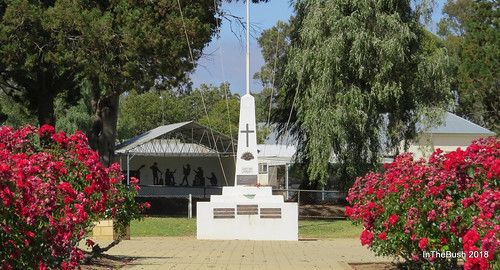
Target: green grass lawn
{"points": [[177, 226], [163, 226], [328, 229]]}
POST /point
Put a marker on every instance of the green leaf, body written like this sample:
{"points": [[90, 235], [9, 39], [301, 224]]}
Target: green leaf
{"points": [[470, 171]]}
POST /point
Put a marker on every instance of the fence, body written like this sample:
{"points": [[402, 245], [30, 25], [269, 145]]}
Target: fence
{"points": [[317, 204], [313, 204]]}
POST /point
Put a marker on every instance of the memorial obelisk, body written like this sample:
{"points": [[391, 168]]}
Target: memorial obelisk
{"points": [[247, 211], [246, 157]]}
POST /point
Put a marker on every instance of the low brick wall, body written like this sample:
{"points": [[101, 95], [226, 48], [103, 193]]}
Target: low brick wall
{"points": [[103, 230]]}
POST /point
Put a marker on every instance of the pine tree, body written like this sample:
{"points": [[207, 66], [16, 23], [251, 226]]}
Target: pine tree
{"points": [[479, 71]]}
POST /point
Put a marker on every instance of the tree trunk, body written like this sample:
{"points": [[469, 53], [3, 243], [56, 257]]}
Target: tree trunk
{"points": [[103, 133], [45, 100]]}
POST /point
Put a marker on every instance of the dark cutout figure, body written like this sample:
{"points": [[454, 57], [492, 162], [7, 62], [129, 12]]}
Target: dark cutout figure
{"points": [[169, 177], [199, 180], [186, 171], [133, 173], [155, 170], [213, 179]]}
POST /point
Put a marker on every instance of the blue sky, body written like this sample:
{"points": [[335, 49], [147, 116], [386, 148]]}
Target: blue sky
{"points": [[224, 59]]}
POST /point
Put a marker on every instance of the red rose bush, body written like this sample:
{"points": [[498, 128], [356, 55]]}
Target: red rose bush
{"points": [[52, 189], [434, 214]]}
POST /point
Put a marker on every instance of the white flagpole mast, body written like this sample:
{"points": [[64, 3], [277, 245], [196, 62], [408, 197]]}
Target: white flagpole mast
{"points": [[248, 48]]}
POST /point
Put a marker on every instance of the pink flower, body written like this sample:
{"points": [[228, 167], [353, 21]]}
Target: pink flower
{"points": [[431, 215], [89, 190], [423, 243], [443, 240], [380, 193], [393, 219], [366, 237], [382, 236], [468, 202]]}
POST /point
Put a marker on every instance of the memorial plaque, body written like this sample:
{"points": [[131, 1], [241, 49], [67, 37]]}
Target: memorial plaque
{"points": [[223, 213], [246, 180], [252, 209], [274, 213]]}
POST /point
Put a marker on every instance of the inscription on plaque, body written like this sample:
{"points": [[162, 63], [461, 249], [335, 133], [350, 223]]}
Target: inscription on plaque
{"points": [[246, 179], [223, 213], [251, 209], [246, 170], [274, 213]]}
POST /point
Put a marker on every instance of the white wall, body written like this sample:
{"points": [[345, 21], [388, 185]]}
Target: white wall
{"points": [[208, 164], [428, 143]]}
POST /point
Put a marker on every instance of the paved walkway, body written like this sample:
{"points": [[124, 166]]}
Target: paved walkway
{"points": [[190, 253]]}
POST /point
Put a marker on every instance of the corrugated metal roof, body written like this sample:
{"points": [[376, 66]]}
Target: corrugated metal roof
{"points": [[187, 133], [453, 124]]}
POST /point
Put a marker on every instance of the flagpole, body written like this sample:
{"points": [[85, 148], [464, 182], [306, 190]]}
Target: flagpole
{"points": [[248, 49]]}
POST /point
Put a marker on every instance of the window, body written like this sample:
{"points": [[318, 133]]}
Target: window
{"points": [[262, 168]]}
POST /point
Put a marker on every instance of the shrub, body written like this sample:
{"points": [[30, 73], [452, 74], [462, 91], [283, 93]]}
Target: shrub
{"points": [[52, 189], [436, 213]]}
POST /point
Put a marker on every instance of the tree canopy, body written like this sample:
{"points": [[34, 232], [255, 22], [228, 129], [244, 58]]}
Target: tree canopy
{"points": [[479, 70], [213, 106], [455, 14], [356, 80], [51, 47], [470, 33], [141, 113]]}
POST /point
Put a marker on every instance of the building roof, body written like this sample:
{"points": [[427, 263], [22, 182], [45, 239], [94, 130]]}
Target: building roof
{"points": [[276, 154], [179, 139], [453, 124]]}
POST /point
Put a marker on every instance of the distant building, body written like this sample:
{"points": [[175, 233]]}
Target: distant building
{"points": [[453, 133]]}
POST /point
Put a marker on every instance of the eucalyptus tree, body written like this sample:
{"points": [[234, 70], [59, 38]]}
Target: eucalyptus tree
{"points": [[213, 106], [273, 43], [455, 14], [451, 28], [356, 80]]}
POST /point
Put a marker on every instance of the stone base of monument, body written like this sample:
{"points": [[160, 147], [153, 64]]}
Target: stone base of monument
{"points": [[247, 213]]}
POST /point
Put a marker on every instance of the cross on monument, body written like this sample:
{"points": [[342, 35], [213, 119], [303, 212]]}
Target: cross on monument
{"points": [[247, 132]]}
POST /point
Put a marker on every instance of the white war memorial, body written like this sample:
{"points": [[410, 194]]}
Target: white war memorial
{"points": [[247, 211]]}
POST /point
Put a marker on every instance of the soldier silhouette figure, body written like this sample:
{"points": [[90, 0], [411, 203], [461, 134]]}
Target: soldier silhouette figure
{"points": [[213, 179], [155, 170], [199, 180], [169, 177], [186, 171]]}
